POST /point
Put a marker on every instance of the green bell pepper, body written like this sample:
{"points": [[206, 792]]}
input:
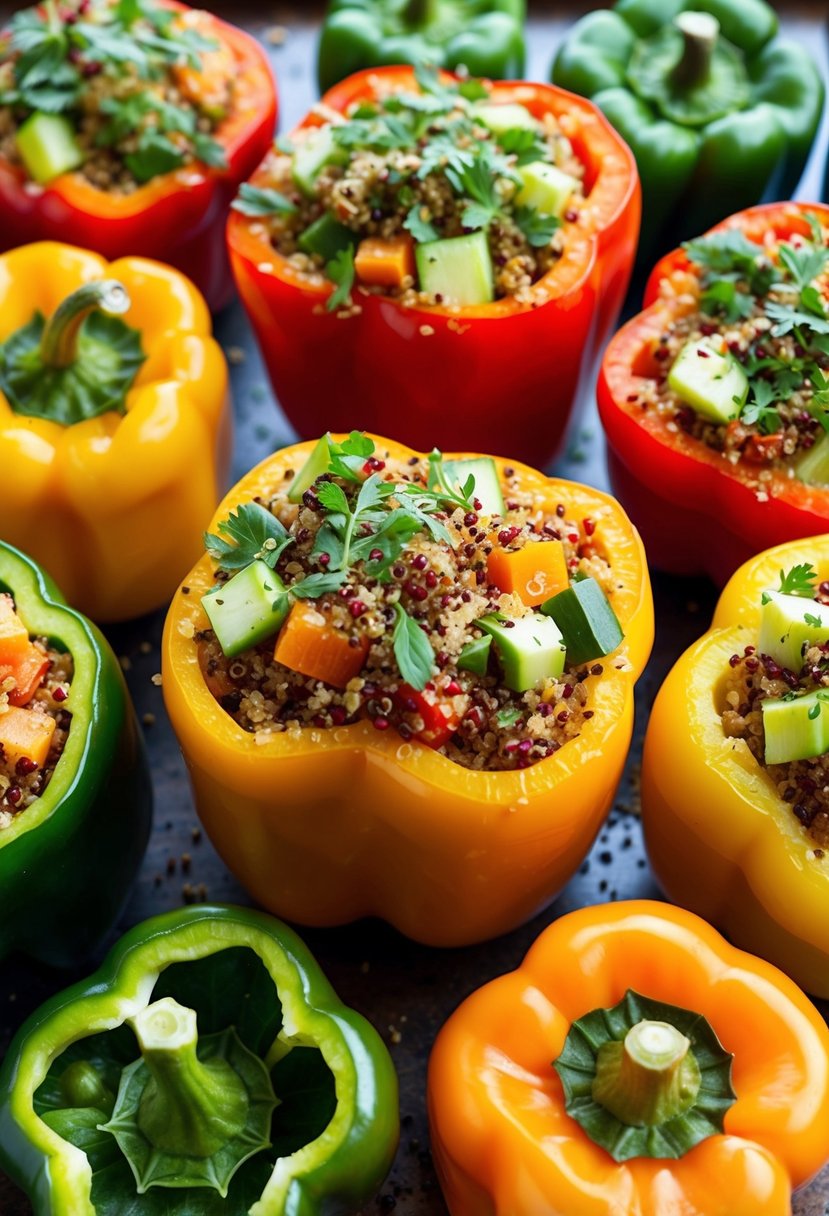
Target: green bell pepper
{"points": [[68, 859], [719, 113], [485, 36], [207, 1069]]}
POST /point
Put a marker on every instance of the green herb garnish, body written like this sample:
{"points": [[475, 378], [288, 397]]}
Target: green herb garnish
{"points": [[340, 270], [412, 650], [799, 580], [259, 200], [256, 535]]}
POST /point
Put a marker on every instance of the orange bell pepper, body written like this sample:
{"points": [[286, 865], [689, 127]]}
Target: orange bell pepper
{"points": [[501, 1136], [331, 825], [720, 838]]}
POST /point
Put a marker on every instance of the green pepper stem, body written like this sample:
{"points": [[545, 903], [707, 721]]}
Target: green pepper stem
{"points": [[188, 1108], [59, 344], [649, 1078], [700, 32], [419, 12]]}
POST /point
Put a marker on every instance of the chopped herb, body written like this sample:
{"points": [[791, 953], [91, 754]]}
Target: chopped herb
{"points": [[419, 226], [814, 712], [259, 200], [799, 580], [257, 535], [524, 143], [537, 228], [412, 650], [340, 270], [507, 717], [811, 619]]}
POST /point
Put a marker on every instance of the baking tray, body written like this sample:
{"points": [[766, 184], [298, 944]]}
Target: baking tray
{"points": [[406, 990]]}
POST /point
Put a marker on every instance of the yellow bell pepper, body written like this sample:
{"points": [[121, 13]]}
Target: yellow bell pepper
{"points": [[513, 1135], [327, 826], [113, 505], [720, 839]]}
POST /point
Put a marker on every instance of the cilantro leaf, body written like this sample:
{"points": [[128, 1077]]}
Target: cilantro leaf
{"points": [[156, 154], [537, 228], [261, 200], [412, 650], [420, 227], [804, 264], [314, 585], [257, 535], [346, 459], [526, 144], [723, 298], [333, 497], [788, 318], [340, 270], [799, 580]]}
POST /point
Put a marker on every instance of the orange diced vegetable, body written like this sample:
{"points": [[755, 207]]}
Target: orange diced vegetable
{"points": [[14, 636], [534, 572], [26, 733], [27, 674], [309, 645], [385, 262]]}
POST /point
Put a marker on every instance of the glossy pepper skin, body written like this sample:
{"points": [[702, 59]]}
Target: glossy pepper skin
{"points": [[698, 513], [179, 217], [710, 809], [501, 1137], [110, 505], [395, 368], [68, 860], [333, 1168], [329, 826], [486, 37], [695, 174]]}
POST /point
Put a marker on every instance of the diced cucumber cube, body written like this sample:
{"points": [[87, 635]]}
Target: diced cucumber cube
{"points": [[316, 464], [247, 608], [475, 656], [530, 649], [796, 729], [787, 623], [326, 237], [506, 117], [311, 156], [47, 147], [588, 624], [545, 188], [487, 483], [713, 383], [813, 466], [459, 269]]}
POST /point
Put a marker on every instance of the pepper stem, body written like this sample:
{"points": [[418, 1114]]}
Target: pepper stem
{"points": [[59, 344], [419, 12], [188, 1108], [649, 1078], [700, 32]]}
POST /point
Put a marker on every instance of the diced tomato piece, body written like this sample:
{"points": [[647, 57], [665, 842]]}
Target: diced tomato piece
{"points": [[440, 716]]}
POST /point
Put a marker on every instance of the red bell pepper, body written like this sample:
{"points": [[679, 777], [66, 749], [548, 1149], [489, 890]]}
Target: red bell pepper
{"points": [[697, 513], [507, 371], [177, 217]]}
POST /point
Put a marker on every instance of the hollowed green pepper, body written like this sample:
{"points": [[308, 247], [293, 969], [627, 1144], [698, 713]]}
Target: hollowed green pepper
{"points": [[485, 36], [719, 112], [68, 859], [207, 1069]]}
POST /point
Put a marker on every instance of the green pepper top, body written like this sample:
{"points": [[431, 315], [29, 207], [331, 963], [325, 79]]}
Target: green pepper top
{"points": [[206, 1069], [66, 862], [718, 111], [485, 36]]}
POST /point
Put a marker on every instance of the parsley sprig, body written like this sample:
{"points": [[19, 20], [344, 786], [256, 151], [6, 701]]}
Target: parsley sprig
{"points": [[254, 535], [799, 580]]}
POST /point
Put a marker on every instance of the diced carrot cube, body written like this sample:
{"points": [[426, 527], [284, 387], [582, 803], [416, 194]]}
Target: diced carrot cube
{"points": [[385, 262], [307, 643], [14, 636], [534, 572], [26, 733]]}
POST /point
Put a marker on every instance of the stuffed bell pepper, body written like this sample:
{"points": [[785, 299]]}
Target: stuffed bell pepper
{"points": [[207, 1069], [112, 391], [719, 112], [127, 127], [403, 685], [75, 794], [735, 780], [438, 258], [485, 37], [715, 399], [634, 1063]]}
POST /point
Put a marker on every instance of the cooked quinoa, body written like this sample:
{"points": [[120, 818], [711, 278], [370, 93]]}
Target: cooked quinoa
{"points": [[752, 678], [22, 782], [767, 306], [142, 95], [445, 589], [419, 166]]}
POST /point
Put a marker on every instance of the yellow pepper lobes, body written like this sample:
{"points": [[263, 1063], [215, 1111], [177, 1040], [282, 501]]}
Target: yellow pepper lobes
{"points": [[721, 841], [114, 505], [327, 826]]}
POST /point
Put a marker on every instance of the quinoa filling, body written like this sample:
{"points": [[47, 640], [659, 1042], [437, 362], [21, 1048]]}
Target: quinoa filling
{"points": [[120, 92], [428, 593], [34, 721], [368, 197], [756, 677], [758, 315]]}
